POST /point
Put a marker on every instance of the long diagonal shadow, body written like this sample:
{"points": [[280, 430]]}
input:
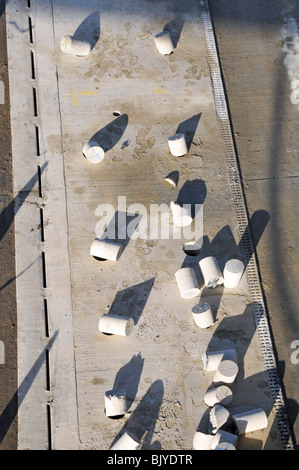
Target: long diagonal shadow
{"points": [[11, 409], [7, 283], [254, 231], [8, 214], [142, 421]]}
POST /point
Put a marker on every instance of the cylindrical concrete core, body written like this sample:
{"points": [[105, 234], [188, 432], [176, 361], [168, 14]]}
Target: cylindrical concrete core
{"points": [[225, 446], [203, 315], [232, 273], [249, 421], [222, 437], [221, 395], [106, 249], [115, 325], [187, 282], [212, 359], [93, 152], [115, 403], [211, 271], [177, 145], [164, 42], [70, 45], [202, 441], [181, 214], [218, 417], [172, 179], [192, 248], [126, 442], [227, 372]]}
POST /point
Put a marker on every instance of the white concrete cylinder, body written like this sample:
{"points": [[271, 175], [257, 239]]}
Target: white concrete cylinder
{"points": [[106, 249], [211, 271], [70, 45], [192, 248], [222, 437], [212, 359], [115, 325], [225, 446], [249, 421], [227, 372], [93, 152], [221, 395], [203, 315], [126, 442], [218, 417], [164, 42], [232, 273], [172, 180], [115, 403], [181, 214], [177, 145], [202, 441], [187, 282]]}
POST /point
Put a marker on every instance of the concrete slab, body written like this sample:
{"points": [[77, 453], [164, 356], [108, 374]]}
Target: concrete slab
{"points": [[78, 98]]}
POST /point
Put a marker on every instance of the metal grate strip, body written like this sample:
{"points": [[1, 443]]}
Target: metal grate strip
{"points": [[242, 217]]}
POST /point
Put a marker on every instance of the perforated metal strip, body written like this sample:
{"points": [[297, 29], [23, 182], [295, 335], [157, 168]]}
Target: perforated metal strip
{"points": [[242, 217]]}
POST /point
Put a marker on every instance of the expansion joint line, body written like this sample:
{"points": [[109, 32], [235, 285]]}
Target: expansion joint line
{"points": [[38, 153], [243, 221]]}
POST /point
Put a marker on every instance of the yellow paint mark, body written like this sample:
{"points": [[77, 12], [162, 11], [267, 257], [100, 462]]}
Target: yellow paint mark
{"points": [[75, 96], [159, 90], [75, 99], [89, 93]]}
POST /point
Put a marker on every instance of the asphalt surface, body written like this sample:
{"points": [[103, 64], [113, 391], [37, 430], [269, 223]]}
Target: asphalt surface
{"points": [[249, 37], [256, 41]]}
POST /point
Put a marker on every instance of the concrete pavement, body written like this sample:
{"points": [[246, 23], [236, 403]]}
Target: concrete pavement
{"points": [[62, 103]]}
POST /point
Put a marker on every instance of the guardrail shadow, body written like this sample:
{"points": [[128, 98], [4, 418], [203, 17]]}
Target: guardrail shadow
{"points": [[9, 212], [10, 412], [11, 280]]}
